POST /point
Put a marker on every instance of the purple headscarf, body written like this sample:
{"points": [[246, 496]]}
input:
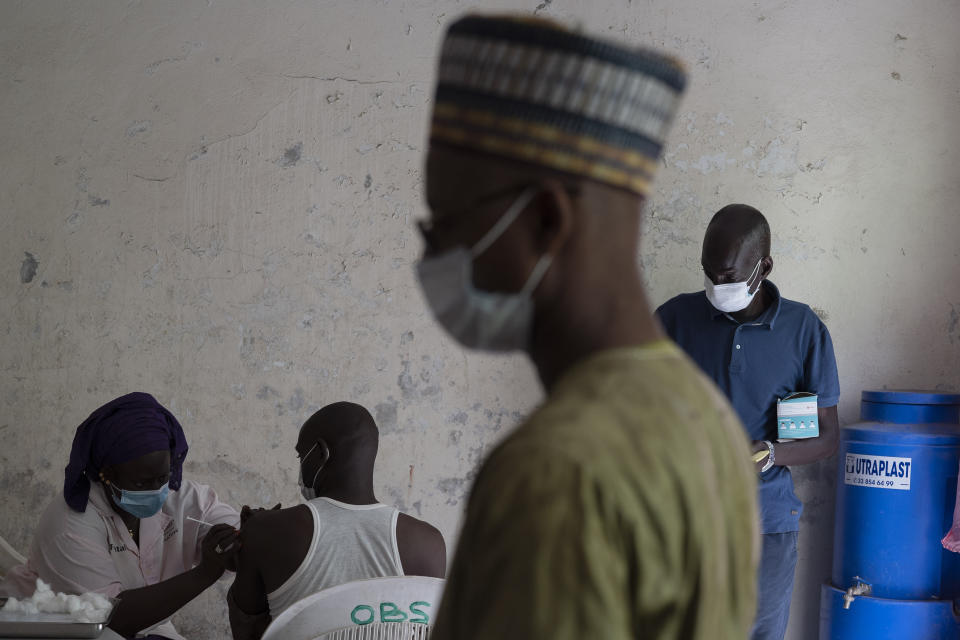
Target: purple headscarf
{"points": [[121, 430]]}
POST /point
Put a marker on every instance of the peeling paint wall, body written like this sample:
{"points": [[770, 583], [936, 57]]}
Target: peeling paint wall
{"points": [[214, 202]]}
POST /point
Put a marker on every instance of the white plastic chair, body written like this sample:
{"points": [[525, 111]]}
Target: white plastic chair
{"points": [[382, 608], [9, 558]]}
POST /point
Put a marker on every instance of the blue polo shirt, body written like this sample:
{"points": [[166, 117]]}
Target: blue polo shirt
{"points": [[786, 349]]}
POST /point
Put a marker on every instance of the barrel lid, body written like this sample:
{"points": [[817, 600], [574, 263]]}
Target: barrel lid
{"points": [[889, 432], [911, 396]]}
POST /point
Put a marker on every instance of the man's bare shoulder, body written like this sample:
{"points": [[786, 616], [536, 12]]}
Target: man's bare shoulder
{"points": [[275, 542], [416, 527], [265, 529], [423, 551]]}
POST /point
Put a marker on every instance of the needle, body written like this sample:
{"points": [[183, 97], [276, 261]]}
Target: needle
{"points": [[209, 524]]}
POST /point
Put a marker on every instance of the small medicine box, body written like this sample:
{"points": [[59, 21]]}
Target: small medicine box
{"points": [[797, 416]]}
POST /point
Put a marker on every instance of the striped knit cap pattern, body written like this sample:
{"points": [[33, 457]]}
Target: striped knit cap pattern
{"points": [[533, 90]]}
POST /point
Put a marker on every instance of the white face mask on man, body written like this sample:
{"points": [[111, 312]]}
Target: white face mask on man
{"points": [[734, 296], [481, 319], [309, 492]]}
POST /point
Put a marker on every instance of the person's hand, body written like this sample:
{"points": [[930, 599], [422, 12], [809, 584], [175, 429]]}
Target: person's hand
{"points": [[760, 446], [219, 550], [246, 512]]}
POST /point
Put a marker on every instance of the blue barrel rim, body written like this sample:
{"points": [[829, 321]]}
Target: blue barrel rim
{"points": [[910, 396], [926, 433]]}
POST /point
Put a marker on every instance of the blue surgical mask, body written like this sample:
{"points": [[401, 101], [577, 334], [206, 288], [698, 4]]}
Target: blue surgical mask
{"points": [[142, 504]]}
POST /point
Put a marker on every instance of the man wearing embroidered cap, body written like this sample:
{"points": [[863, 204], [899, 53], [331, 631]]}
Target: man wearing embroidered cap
{"points": [[623, 507]]}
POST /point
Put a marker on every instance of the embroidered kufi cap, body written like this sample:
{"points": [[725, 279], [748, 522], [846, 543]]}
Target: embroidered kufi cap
{"points": [[535, 91]]}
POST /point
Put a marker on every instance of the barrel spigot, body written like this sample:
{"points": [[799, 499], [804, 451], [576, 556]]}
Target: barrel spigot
{"points": [[858, 588]]}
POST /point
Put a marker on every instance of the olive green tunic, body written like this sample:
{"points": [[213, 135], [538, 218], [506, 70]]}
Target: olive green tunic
{"points": [[623, 508]]}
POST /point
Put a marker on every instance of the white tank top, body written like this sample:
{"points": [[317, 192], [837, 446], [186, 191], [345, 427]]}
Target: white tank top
{"points": [[350, 542]]}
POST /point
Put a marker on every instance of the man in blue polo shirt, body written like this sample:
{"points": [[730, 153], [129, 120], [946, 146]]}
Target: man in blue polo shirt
{"points": [[758, 347]]}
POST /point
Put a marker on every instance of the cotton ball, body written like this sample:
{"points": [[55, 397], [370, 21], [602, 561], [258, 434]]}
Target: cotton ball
{"points": [[87, 616], [93, 607], [90, 615], [89, 607], [75, 604], [99, 601], [50, 604], [46, 601], [93, 613], [47, 606], [55, 604]]}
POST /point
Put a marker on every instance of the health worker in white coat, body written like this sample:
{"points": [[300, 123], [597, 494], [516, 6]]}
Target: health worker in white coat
{"points": [[121, 527]]}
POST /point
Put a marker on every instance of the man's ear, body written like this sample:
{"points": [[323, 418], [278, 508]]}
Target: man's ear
{"points": [[766, 266], [324, 452], [556, 214], [107, 475]]}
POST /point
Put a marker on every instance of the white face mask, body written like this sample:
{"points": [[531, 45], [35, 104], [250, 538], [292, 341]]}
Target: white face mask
{"points": [[308, 493], [731, 297], [481, 319]]}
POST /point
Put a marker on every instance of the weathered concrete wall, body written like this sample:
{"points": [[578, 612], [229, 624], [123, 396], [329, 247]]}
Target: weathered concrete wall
{"points": [[214, 202]]}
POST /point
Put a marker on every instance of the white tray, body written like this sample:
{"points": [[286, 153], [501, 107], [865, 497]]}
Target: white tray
{"points": [[49, 625]]}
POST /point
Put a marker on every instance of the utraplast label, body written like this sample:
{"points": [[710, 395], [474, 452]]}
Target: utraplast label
{"points": [[881, 472]]}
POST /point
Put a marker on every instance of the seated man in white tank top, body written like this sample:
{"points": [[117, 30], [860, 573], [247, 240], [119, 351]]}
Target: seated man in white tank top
{"points": [[341, 534]]}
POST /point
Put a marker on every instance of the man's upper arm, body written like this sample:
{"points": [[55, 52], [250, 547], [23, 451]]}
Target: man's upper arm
{"points": [[829, 427], [421, 546], [249, 593], [247, 598], [820, 368]]}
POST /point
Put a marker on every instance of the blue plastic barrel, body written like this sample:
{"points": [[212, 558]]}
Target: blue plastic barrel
{"points": [[896, 491], [910, 407], [880, 619]]}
